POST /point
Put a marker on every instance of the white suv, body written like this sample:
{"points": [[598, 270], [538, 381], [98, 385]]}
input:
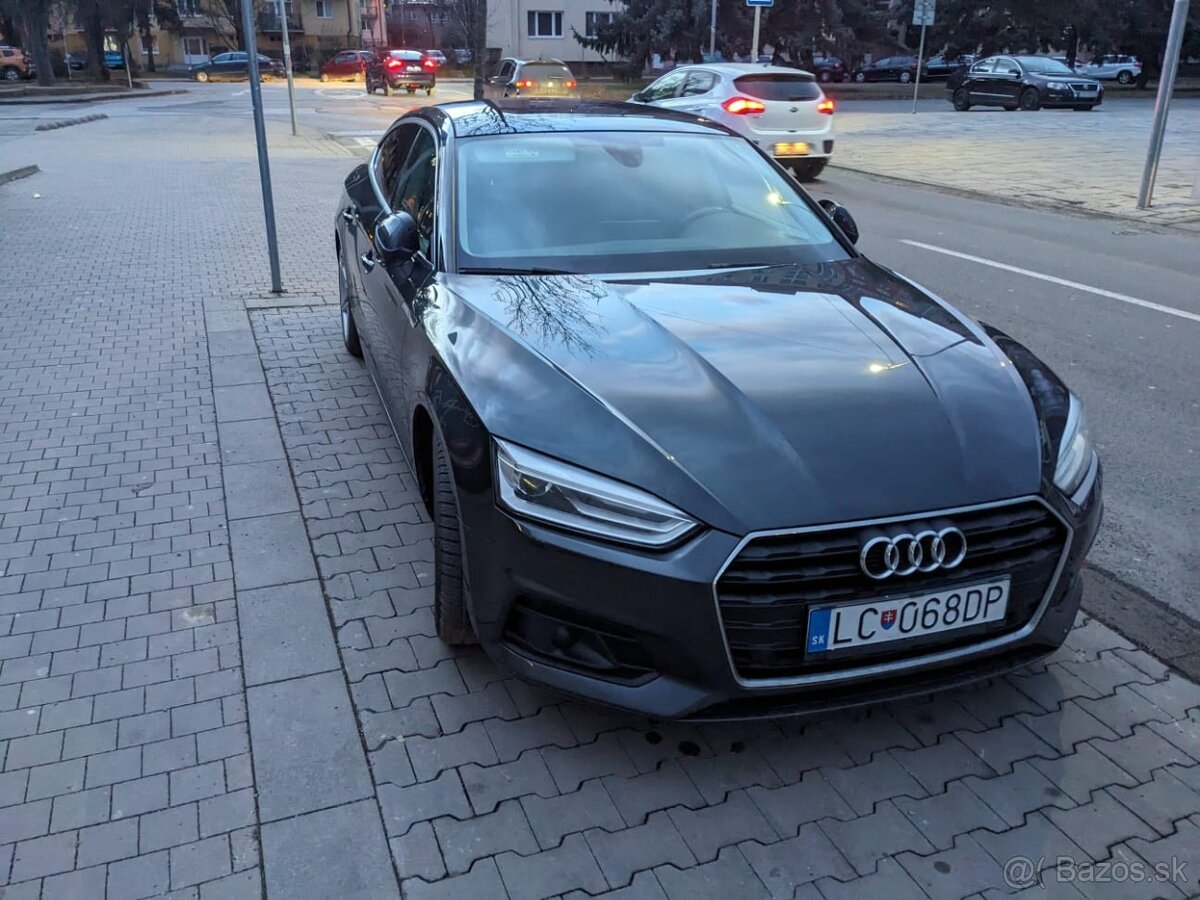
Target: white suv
{"points": [[783, 111], [1125, 69]]}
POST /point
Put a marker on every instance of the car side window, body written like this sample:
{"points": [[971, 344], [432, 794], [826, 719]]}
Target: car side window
{"points": [[983, 68], [665, 87], [505, 70], [392, 151], [698, 83], [1005, 66], [415, 191]]}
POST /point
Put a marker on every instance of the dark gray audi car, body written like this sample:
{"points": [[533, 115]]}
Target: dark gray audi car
{"points": [[686, 450]]}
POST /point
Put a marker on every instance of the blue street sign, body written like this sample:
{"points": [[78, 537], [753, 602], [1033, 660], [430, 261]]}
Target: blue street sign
{"points": [[760, 2]]}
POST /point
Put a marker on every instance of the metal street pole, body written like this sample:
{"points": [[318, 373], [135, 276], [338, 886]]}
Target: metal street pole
{"points": [[287, 62], [920, 62], [757, 28], [1166, 84], [128, 73], [62, 23], [712, 34], [260, 138]]}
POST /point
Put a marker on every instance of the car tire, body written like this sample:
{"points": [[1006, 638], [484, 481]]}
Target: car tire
{"points": [[906, 77], [202, 77], [450, 588], [1125, 77], [1031, 100], [10, 73], [860, 77], [324, 78], [825, 77], [428, 92], [808, 169], [349, 326], [1088, 108], [962, 99]]}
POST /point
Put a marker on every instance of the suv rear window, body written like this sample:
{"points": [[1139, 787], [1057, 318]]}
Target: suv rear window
{"points": [[778, 86], [543, 72]]}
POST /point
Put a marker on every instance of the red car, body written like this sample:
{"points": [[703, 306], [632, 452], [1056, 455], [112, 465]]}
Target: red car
{"points": [[348, 64]]}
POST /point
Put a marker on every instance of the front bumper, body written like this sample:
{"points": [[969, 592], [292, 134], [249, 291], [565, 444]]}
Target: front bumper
{"points": [[643, 632], [1070, 98]]}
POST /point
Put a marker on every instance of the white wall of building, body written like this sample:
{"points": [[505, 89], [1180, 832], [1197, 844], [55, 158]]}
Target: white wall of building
{"points": [[509, 28]]}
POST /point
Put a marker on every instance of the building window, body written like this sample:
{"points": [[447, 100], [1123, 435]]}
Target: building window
{"points": [[324, 9], [188, 7], [596, 19], [545, 24], [146, 51]]}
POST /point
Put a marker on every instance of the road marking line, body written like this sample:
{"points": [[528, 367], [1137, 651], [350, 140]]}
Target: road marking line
{"points": [[1100, 292]]}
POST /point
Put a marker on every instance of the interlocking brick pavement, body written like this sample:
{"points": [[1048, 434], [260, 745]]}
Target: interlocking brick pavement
{"points": [[218, 670]]}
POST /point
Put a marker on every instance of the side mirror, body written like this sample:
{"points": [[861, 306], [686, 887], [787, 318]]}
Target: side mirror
{"points": [[639, 97], [396, 238], [841, 218]]}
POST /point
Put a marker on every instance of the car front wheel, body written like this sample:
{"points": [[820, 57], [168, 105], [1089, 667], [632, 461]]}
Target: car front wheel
{"points": [[349, 326], [1030, 100], [860, 77], [450, 588], [962, 99], [1125, 77], [905, 77], [324, 78], [202, 76]]}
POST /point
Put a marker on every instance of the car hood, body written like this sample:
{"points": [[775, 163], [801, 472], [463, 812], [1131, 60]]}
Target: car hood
{"points": [[754, 399]]}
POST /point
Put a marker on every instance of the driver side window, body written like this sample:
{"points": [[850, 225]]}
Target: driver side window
{"points": [[416, 188], [392, 152], [665, 87]]}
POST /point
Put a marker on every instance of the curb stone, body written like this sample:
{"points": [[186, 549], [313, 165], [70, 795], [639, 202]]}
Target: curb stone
{"points": [[16, 174], [63, 123]]}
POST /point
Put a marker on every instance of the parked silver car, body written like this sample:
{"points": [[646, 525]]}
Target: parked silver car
{"points": [[783, 111], [1113, 67]]}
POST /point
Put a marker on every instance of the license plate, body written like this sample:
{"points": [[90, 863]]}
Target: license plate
{"points": [[796, 148], [832, 628], [414, 68]]}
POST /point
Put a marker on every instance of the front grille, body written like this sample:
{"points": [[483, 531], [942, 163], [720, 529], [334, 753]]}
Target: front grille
{"points": [[1083, 86], [765, 593]]}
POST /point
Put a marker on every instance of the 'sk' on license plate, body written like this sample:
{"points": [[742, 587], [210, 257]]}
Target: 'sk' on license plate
{"points": [[832, 628]]}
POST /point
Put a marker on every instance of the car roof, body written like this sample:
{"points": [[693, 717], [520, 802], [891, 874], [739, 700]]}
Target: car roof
{"points": [[744, 68], [471, 118], [524, 62]]}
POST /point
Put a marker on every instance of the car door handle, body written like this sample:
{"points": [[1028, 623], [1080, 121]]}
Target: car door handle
{"points": [[349, 216], [368, 260]]}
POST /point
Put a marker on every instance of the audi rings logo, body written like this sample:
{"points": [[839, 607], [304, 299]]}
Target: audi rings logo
{"points": [[886, 555]]}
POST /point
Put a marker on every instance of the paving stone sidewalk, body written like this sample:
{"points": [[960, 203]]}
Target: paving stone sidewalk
{"points": [[218, 674], [1057, 158]]}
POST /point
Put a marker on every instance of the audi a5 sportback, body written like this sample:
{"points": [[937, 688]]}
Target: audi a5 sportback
{"points": [[1023, 82], [685, 449], [783, 111]]}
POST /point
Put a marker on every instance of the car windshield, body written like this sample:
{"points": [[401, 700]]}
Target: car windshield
{"points": [[544, 72], [778, 86], [1045, 66], [591, 202]]}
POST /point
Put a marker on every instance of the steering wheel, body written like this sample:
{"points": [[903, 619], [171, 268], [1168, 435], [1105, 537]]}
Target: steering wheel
{"points": [[702, 213]]}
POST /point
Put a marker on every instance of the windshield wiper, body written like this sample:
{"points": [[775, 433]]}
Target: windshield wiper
{"points": [[532, 270], [746, 265]]}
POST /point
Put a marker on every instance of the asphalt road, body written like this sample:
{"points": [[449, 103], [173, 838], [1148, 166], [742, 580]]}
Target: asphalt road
{"points": [[1083, 293], [1133, 366]]}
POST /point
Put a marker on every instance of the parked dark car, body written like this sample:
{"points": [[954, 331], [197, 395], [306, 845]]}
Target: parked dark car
{"points": [[828, 68], [685, 449], [530, 78], [1024, 82], [235, 66], [890, 68], [942, 66], [393, 70], [345, 65]]}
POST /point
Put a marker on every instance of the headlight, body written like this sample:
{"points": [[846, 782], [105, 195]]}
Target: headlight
{"points": [[1057, 85], [1074, 450], [545, 489]]}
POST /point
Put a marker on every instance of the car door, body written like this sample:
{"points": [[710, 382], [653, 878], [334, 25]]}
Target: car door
{"points": [[1007, 79], [979, 82], [496, 85], [345, 64], [695, 93]]}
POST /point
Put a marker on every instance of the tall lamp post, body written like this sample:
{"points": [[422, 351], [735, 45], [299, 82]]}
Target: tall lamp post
{"points": [[1166, 84]]}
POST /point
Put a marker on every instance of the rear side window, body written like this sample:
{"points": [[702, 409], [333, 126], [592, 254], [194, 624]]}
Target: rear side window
{"points": [[540, 72], [778, 86]]}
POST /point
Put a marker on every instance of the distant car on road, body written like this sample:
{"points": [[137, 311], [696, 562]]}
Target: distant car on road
{"points": [[890, 68], [1024, 82], [827, 68], [14, 65], [345, 65], [530, 78], [1113, 67], [437, 56], [235, 66], [390, 70], [685, 449], [782, 111], [941, 66]]}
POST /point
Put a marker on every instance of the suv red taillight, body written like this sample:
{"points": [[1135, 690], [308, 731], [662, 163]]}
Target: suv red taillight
{"points": [[527, 84], [743, 106], [392, 62], [429, 62], [826, 106]]}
